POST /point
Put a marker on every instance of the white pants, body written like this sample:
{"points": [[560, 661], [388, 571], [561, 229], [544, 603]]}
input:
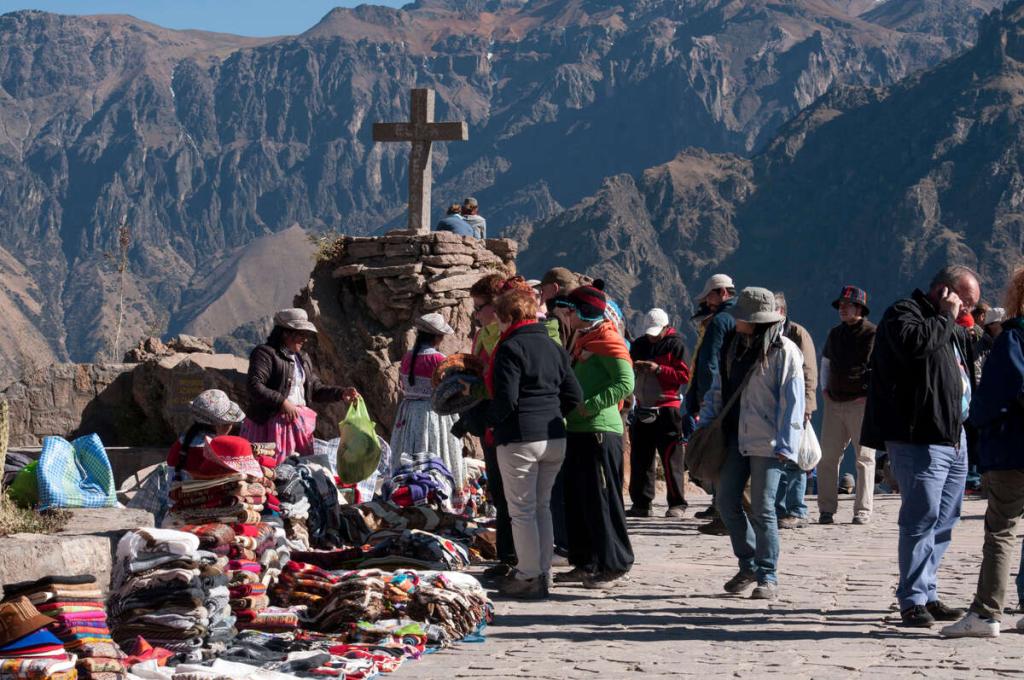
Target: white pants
{"points": [[528, 471], [839, 429]]}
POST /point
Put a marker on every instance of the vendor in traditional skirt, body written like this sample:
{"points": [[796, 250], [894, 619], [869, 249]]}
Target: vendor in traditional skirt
{"points": [[418, 428], [282, 383]]}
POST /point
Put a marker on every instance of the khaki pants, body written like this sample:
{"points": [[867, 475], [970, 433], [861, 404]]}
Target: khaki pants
{"points": [[840, 427], [1005, 507]]}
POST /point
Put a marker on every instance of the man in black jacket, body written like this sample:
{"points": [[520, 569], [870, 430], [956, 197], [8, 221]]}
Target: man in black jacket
{"points": [[922, 371]]}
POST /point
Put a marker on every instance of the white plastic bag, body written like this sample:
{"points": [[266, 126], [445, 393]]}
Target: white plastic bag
{"points": [[809, 454]]}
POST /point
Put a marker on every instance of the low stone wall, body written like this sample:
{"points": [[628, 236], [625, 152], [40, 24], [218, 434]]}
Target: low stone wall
{"points": [[365, 295]]}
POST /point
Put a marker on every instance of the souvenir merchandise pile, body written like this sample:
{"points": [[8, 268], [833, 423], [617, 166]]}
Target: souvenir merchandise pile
{"points": [[78, 617], [310, 500], [157, 593], [420, 479], [28, 650]]}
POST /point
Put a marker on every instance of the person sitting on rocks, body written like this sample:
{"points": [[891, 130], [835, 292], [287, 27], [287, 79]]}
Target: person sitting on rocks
{"points": [[759, 393], [282, 383], [471, 214], [213, 415], [454, 223], [418, 427]]}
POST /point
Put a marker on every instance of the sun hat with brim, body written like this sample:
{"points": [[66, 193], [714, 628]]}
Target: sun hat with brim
{"points": [[433, 323], [294, 318], [38, 642], [716, 282], [995, 315], [756, 305], [450, 396], [227, 455], [853, 295], [214, 407], [655, 321], [19, 618]]}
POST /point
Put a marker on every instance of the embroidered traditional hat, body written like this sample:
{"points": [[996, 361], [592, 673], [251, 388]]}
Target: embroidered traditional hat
{"points": [[19, 618], [294, 319], [855, 296], [227, 455], [214, 407], [433, 323]]}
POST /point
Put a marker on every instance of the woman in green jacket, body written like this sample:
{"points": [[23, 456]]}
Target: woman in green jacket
{"points": [[599, 547]]}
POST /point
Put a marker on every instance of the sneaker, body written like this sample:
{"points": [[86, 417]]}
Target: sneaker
{"points": [[525, 589], [826, 518], [862, 518], [608, 579], [972, 625], [740, 582], [676, 511], [574, 576], [715, 527], [792, 522], [499, 570], [559, 561], [638, 511], [917, 616], [707, 513], [941, 612], [765, 591]]}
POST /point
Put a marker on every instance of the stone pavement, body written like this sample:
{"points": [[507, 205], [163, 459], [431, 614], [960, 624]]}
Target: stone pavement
{"points": [[836, 616]]}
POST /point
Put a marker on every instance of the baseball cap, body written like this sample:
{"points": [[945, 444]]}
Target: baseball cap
{"points": [[655, 321]]}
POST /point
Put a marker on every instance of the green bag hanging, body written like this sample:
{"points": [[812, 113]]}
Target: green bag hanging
{"points": [[359, 450]]}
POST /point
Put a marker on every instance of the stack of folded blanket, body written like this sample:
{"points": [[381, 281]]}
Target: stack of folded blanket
{"points": [[28, 650], [303, 585], [158, 591], [226, 499]]}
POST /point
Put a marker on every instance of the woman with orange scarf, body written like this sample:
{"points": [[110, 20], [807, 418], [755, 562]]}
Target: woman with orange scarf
{"points": [[599, 547]]}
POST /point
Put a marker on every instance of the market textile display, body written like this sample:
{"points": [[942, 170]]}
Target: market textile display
{"points": [[75, 605], [28, 650]]}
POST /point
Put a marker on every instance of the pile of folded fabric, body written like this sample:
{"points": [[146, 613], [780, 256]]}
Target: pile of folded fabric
{"points": [[28, 650], [393, 550], [295, 506], [366, 595], [75, 605], [303, 585], [456, 603], [420, 479], [309, 497], [157, 592]]}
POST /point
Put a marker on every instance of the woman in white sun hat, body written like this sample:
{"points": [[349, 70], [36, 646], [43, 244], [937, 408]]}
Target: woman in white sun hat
{"points": [[418, 428]]}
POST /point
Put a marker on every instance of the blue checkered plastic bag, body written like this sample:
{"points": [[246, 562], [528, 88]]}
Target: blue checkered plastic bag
{"points": [[75, 474]]}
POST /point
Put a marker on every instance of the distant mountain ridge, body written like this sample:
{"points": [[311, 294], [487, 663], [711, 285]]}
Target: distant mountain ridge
{"points": [[201, 143]]}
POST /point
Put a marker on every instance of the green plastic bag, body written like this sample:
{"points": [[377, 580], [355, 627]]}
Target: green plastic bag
{"points": [[24, 490], [359, 450]]}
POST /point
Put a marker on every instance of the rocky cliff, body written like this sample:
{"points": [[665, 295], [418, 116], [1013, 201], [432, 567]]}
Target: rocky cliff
{"points": [[876, 187], [134, 160]]}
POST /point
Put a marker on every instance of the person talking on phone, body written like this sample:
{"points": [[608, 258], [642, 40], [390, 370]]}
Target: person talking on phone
{"points": [[919, 395]]}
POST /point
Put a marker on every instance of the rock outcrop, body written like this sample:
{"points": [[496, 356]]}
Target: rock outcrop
{"points": [[365, 294]]}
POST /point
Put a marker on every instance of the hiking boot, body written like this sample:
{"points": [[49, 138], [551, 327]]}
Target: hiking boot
{"points": [[607, 579], [676, 511], [525, 589], [740, 582], [972, 625], [640, 511], [941, 612], [707, 513], [573, 576], [862, 518], [792, 522], [826, 518], [499, 570], [715, 527], [917, 616], [765, 591]]}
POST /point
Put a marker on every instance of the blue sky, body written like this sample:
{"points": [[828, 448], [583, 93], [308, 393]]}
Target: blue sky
{"points": [[243, 17]]}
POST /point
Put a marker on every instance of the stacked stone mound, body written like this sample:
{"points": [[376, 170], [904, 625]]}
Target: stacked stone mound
{"points": [[366, 292]]}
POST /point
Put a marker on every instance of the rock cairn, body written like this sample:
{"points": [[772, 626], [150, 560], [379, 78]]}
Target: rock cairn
{"points": [[365, 293]]}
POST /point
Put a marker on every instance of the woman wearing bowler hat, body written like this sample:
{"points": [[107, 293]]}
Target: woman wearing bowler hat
{"points": [[282, 383]]}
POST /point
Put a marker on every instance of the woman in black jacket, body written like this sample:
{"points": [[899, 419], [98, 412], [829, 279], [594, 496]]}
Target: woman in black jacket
{"points": [[282, 383], [533, 388]]}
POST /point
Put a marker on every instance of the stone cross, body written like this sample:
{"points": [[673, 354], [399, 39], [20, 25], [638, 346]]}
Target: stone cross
{"points": [[421, 130]]}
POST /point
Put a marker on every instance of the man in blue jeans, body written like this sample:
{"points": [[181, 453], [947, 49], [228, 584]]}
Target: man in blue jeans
{"points": [[919, 395]]}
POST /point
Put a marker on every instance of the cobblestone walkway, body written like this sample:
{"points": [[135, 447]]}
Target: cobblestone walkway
{"points": [[836, 616]]}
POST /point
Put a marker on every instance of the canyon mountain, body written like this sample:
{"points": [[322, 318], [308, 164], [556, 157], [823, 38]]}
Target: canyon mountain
{"points": [[156, 181]]}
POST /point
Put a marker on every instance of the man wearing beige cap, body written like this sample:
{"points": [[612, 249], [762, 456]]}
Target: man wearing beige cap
{"points": [[715, 299]]}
